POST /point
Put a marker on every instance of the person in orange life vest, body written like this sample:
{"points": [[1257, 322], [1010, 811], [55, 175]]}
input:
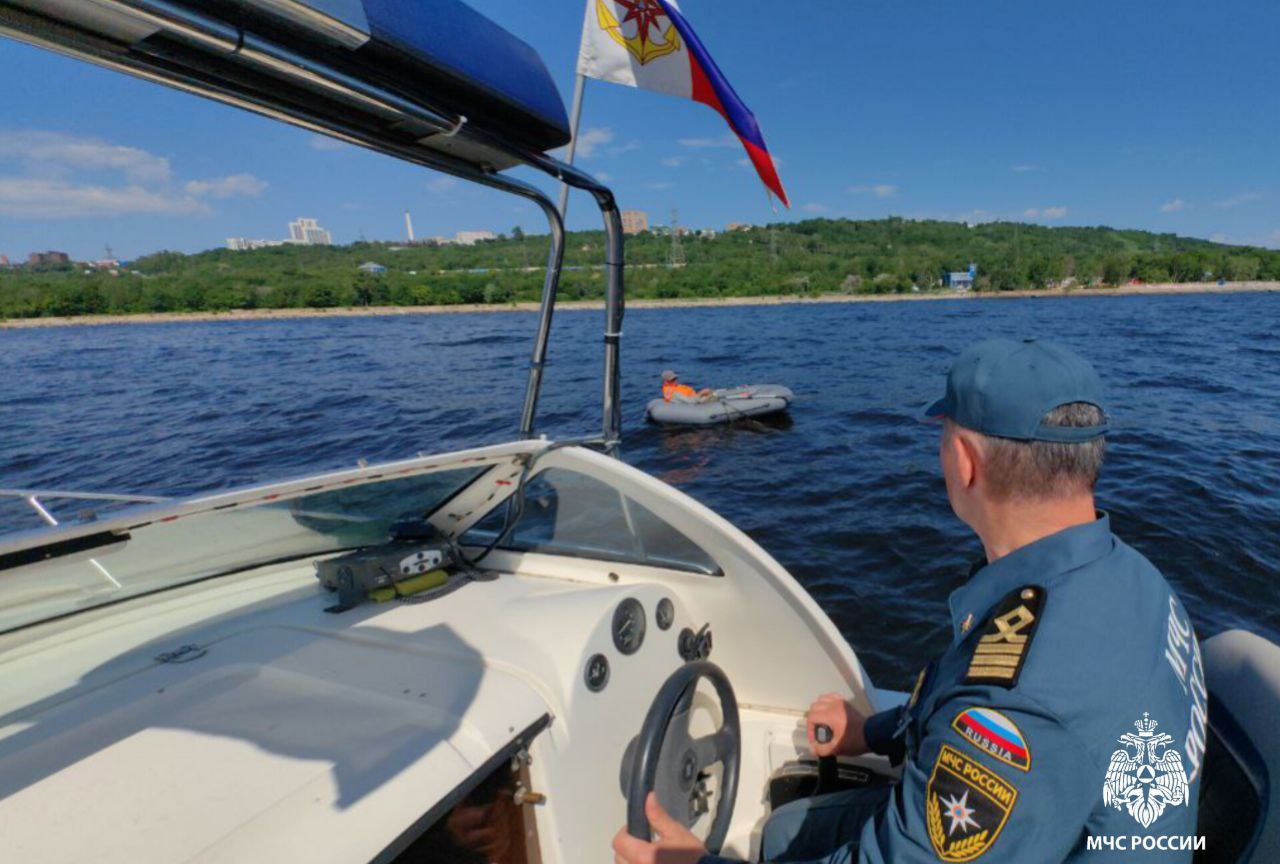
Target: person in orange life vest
{"points": [[674, 391]]}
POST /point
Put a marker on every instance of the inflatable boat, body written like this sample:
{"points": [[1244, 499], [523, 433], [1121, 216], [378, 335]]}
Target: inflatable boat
{"points": [[725, 406]]}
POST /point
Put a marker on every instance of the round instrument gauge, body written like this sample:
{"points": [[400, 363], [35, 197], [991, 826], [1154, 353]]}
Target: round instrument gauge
{"points": [[665, 614], [628, 626], [596, 674]]}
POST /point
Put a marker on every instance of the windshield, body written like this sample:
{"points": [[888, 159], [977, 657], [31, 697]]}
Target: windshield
{"points": [[162, 554], [569, 513]]}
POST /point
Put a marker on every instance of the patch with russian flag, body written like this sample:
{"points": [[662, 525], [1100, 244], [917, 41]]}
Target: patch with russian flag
{"points": [[989, 730]]}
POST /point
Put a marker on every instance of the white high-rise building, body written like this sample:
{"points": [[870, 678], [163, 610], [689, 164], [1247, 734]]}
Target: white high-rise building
{"points": [[309, 233]]}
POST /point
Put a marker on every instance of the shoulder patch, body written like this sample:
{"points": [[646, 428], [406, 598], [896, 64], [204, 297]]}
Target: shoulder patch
{"points": [[966, 806], [1002, 648], [994, 733]]}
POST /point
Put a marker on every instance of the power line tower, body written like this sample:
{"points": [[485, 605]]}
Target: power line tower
{"points": [[110, 255], [675, 255]]}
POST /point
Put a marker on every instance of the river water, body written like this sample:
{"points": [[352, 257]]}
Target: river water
{"points": [[848, 495]]}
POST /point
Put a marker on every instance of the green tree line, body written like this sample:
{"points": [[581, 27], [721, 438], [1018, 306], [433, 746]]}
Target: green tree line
{"points": [[812, 257]]}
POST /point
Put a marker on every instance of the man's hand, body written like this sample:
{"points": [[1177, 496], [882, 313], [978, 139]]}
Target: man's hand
{"points": [[673, 843], [834, 711], [482, 828]]}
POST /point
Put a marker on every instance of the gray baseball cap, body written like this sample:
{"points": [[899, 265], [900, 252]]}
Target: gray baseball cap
{"points": [[668, 375], [1004, 387]]}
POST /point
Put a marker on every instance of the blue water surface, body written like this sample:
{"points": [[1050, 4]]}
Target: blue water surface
{"points": [[848, 496]]}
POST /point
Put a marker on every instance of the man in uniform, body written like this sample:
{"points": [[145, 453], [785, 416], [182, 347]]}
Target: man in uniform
{"points": [[1065, 721]]}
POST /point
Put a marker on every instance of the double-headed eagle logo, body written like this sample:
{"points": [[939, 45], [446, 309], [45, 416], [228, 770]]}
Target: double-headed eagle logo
{"points": [[649, 39], [1145, 781]]}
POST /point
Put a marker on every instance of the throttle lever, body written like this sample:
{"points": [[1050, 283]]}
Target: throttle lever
{"points": [[828, 768]]}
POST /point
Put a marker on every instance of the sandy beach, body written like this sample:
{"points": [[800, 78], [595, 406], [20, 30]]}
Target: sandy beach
{"points": [[1154, 289]]}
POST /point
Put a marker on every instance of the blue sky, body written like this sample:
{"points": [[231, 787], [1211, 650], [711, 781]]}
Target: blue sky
{"points": [[1148, 115]]}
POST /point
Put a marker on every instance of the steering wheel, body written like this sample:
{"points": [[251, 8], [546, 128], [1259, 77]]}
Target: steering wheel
{"points": [[669, 761]]}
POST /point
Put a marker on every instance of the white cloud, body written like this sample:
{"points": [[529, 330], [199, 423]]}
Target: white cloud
{"points": [[1219, 237], [880, 190], [42, 198], [62, 176], [591, 140], [1275, 235], [442, 183], [326, 144], [1172, 206], [1047, 213], [703, 143], [1237, 200], [603, 176], [57, 154], [232, 186], [1024, 169], [673, 162], [814, 208]]}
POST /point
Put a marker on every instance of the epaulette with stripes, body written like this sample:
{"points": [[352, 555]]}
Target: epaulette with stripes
{"points": [[1002, 648]]}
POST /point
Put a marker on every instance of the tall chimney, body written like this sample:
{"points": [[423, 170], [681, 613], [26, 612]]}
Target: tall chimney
{"points": [[408, 225]]}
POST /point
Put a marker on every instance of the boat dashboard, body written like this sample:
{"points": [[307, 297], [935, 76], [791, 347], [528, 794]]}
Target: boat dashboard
{"points": [[203, 714]]}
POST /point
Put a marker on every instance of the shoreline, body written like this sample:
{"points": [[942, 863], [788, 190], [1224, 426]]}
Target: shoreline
{"points": [[1159, 289]]}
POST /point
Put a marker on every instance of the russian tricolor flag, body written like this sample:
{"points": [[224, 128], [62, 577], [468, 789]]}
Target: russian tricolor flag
{"points": [[650, 44]]}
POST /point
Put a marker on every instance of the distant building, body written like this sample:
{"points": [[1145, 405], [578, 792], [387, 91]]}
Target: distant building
{"points": [[308, 232], [40, 259], [739, 226], [373, 267], [707, 233], [244, 244], [4, 260], [471, 238], [960, 280], [439, 241], [302, 232], [634, 221]]}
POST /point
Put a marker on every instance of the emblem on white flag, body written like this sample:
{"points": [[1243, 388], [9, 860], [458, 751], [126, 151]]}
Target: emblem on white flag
{"points": [[634, 43]]}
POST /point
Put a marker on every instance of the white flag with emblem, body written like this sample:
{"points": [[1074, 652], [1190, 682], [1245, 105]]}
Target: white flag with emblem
{"points": [[649, 44], [634, 43]]}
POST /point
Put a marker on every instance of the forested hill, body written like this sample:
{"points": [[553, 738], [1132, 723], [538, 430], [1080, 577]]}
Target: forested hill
{"points": [[812, 257]]}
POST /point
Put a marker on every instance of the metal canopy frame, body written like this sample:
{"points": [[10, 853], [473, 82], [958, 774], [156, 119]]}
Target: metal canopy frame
{"points": [[199, 54]]}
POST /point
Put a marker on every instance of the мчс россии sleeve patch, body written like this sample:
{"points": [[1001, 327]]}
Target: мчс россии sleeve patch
{"points": [[966, 806]]}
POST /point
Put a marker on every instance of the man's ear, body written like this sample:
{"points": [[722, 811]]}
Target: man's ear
{"points": [[967, 454]]}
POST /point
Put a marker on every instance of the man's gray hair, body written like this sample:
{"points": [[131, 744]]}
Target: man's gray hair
{"points": [[1032, 470]]}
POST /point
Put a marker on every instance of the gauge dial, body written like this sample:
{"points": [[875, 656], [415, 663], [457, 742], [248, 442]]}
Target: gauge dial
{"points": [[665, 614], [628, 626], [596, 674]]}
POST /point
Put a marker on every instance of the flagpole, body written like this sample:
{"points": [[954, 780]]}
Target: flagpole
{"points": [[575, 116]]}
